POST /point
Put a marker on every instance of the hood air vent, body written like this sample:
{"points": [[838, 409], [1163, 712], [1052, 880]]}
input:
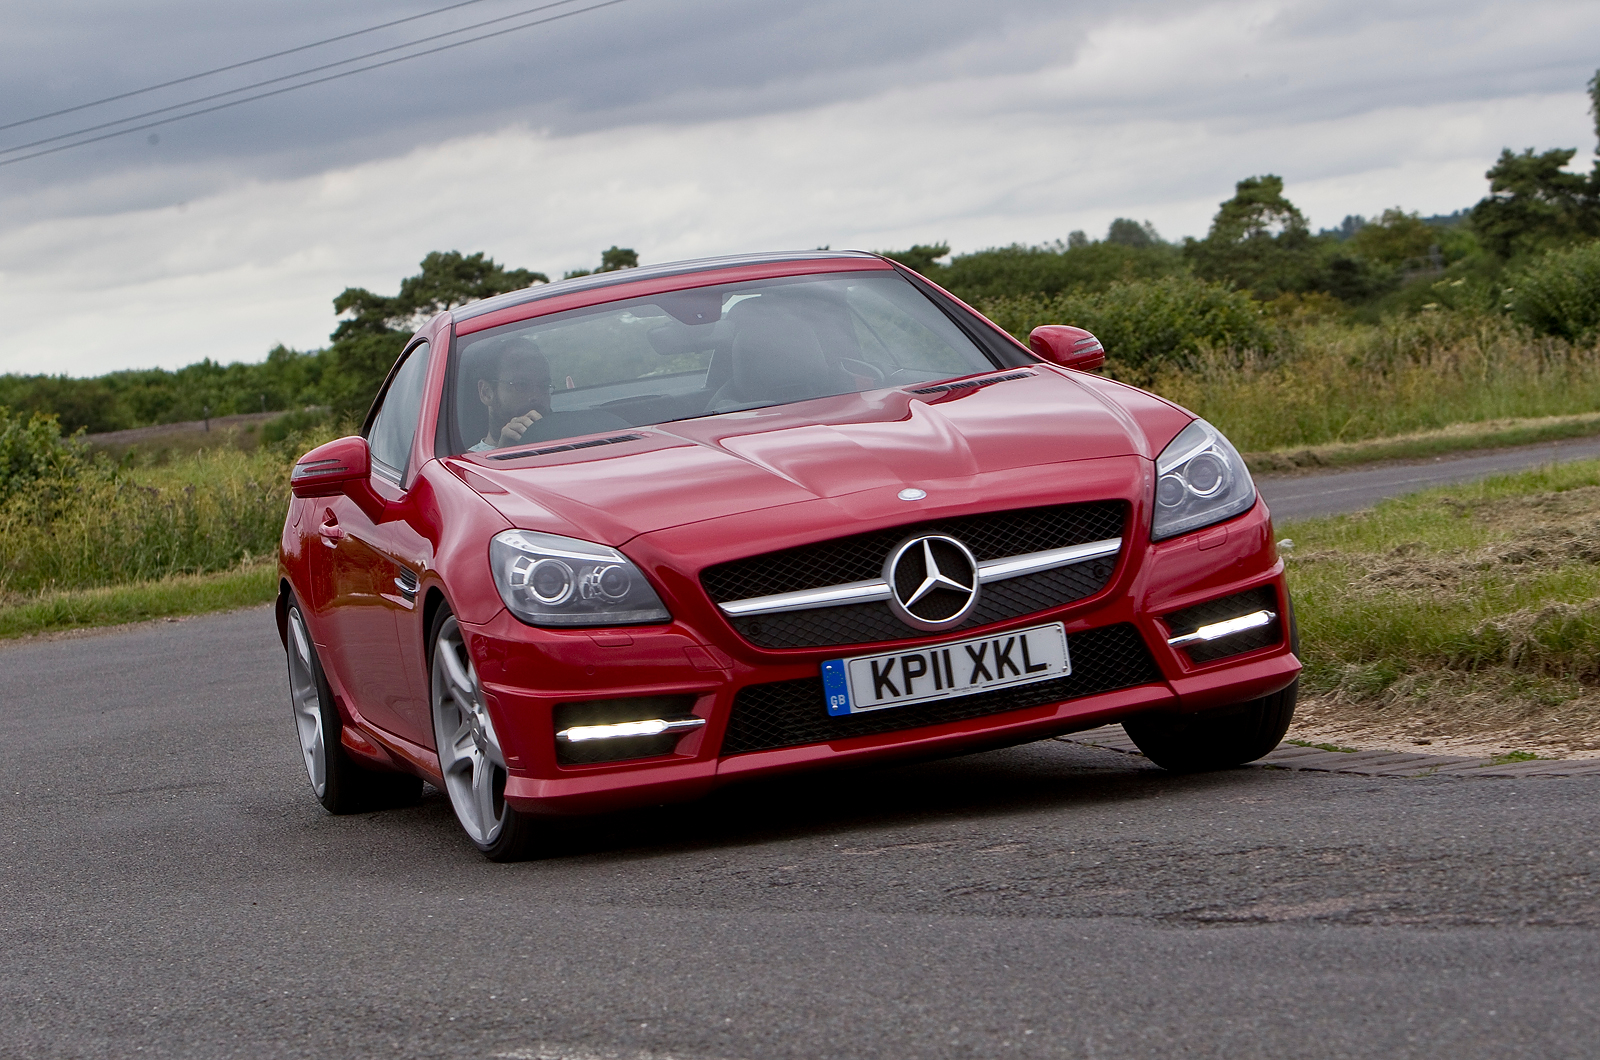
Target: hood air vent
{"points": [[547, 450], [972, 384]]}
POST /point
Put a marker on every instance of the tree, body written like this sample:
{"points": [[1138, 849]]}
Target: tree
{"points": [[1397, 238], [366, 343], [1258, 240], [1594, 107], [1130, 233], [1535, 204], [613, 260], [923, 257]]}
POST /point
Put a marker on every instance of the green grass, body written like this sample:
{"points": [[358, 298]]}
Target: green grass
{"points": [[1331, 382], [1513, 756], [1323, 746], [1461, 437], [188, 594], [1489, 592]]}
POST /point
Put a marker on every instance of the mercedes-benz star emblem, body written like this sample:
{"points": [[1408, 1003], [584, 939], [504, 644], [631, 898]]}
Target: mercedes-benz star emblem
{"points": [[933, 582]]}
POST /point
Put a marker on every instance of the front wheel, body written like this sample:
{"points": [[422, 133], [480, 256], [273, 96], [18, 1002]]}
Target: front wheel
{"points": [[1219, 739], [470, 758], [340, 784]]}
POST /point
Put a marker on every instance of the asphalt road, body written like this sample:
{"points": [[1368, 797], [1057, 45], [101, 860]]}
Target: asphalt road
{"points": [[1333, 492], [170, 888]]}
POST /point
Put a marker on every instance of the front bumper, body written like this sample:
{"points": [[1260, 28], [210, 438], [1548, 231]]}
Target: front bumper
{"points": [[529, 673]]}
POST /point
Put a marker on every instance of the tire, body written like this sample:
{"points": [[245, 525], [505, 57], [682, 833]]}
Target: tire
{"points": [[339, 783], [470, 758], [1215, 739], [1222, 738]]}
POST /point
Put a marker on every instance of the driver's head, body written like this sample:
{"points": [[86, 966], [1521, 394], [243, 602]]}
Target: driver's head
{"points": [[513, 379]]}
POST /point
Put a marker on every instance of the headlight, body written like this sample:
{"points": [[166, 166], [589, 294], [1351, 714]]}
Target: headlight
{"points": [[1200, 479], [557, 581]]}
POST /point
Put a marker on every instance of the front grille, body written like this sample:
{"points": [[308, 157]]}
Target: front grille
{"points": [[1262, 598], [609, 712], [866, 623], [860, 557], [793, 713]]}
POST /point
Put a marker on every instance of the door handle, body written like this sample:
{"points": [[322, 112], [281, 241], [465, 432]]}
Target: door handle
{"points": [[330, 531]]}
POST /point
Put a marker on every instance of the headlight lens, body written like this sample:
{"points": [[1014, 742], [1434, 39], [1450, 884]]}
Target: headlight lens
{"points": [[558, 581], [1200, 479]]}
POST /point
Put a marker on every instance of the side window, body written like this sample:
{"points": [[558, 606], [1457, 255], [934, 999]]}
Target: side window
{"points": [[396, 422]]}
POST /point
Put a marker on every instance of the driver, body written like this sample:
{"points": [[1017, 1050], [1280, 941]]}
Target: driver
{"points": [[514, 387]]}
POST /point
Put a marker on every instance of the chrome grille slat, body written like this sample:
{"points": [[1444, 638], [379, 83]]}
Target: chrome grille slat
{"points": [[874, 590]]}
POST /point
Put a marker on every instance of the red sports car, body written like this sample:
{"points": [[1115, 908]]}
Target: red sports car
{"points": [[624, 538]]}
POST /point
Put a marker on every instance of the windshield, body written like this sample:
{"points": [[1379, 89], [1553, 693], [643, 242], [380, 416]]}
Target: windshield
{"points": [[698, 352]]}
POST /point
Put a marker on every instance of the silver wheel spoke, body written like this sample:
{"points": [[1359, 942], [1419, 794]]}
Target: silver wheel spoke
{"points": [[305, 699], [483, 794], [469, 752], [456, 676]]}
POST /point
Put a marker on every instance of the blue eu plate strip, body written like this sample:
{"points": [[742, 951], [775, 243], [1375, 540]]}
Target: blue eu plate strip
{"points": [[836, 687]]}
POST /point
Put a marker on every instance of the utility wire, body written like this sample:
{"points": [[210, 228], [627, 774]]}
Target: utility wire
{"points": [[307, 84], [285, 77], [235, 66]]}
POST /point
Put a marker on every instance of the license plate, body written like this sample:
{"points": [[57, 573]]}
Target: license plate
{"points": [[946, 671]]}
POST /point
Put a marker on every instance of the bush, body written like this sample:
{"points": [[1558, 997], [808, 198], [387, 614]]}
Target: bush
{"points": [[1018, 270], [93, 524], [32, 451], [1559, 293], [292, 424], [1147, 326]]}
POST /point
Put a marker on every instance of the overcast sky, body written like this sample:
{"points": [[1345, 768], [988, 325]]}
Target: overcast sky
{"points": [[684, 128]]}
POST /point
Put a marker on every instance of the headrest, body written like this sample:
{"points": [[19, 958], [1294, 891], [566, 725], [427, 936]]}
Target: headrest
{"points": [[776, 354]]}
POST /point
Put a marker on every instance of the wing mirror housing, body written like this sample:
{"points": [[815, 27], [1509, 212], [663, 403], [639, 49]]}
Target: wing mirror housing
{"points": [[340, 467], [1067, 346]]}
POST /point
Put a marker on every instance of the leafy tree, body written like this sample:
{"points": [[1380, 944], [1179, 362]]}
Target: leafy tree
{"points": [[1146, 325], [1052, 268], [1397, 238], [1559, 293], [1259, 240], [923, 257], [366, 343], [1594, 107], [1129, 233], [613, 260], [1535, 204], [618, 258]]}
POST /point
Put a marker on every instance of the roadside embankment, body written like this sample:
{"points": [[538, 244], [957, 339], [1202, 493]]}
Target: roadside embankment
{"points": [[1464, 619]]}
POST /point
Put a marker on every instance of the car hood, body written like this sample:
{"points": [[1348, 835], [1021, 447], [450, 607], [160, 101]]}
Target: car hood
{"points": [[653, 478]]}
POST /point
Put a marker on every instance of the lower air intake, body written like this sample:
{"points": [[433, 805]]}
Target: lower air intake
{"points": [[794, 713]]}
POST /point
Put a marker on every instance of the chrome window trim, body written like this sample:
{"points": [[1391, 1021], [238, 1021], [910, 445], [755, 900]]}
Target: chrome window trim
{"points": [[876, 589]]}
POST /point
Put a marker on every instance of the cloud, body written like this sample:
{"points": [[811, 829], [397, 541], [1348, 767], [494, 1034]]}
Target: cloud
{"points": [[1041, 121]]}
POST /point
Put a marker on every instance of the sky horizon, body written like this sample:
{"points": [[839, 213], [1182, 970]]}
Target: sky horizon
{"points": [[688, 128]]}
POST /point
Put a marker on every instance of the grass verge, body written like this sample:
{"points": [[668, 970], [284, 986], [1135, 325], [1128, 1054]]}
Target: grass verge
{"points": [[1467, 617], [184, 594], [1461, 437]]}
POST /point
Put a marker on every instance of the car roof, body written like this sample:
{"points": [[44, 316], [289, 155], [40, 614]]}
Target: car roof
{"points": [[644, 273]]}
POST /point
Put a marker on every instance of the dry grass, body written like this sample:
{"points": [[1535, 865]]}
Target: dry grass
{"points": [[1465, 619], [1330, 382]]}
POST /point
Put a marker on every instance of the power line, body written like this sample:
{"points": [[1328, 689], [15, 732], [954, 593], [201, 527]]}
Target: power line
{"points": [[277, 80], [308, 84], [235, 66]]}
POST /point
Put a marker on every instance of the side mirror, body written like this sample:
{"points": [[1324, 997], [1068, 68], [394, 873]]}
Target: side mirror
{"points": [[1067, 346], [342, 466], [329, 469]]}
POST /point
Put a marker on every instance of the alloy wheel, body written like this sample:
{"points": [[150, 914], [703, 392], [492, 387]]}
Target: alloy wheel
{"points": [[470, 758], [307, 703]]}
